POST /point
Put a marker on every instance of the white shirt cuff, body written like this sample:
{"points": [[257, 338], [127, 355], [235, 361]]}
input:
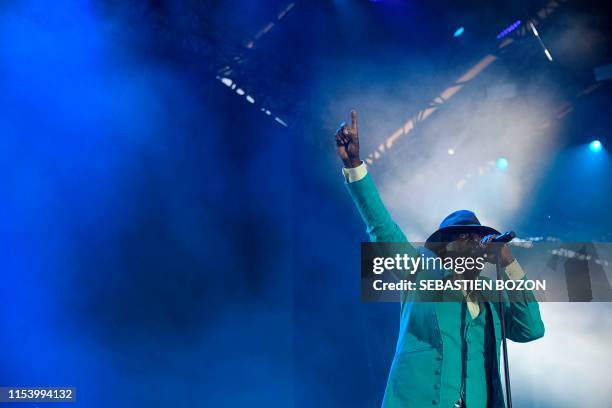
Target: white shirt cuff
{"points": [[355, 174], [514, 271]]}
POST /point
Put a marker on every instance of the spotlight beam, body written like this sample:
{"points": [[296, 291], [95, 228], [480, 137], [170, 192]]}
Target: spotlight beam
{"points": [[537, 35], [453, 89]]}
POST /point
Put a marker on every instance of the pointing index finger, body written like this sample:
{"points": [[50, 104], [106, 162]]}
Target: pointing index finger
{"points": [[354, 119]]}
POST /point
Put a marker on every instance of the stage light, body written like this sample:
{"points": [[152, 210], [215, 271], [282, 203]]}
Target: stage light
{"points": [[502, 163], [282, 122], [232, 85], [451, 151], [548, 54], [537, 36], [595, 146], [508, 29], [458, 32]]}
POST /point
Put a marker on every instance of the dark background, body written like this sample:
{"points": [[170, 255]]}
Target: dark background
{"points": [[167, 243]]}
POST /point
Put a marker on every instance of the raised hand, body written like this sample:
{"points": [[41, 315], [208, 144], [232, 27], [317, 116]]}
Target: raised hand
{"points": [[347, 141]]}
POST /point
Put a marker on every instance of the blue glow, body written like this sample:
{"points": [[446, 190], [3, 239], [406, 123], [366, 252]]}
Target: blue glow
{"points": [[508, 29], [502, 163], [595, 146], [458, 32]]}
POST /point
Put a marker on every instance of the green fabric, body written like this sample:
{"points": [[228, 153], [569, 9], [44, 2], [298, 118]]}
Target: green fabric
{"points": [[449, 317], [475, 392], [449, 320], [415, 378]]}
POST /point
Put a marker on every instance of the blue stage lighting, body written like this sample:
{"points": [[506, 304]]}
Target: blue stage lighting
{"points": [[458, 32], [508, 29], [595, 146], [502, 163]]}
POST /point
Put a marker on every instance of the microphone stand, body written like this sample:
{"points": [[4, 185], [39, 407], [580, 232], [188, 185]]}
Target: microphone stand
{"points": [[502, 310]]}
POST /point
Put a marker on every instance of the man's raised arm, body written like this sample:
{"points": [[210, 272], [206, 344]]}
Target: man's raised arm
{"points": [[379, 225]]}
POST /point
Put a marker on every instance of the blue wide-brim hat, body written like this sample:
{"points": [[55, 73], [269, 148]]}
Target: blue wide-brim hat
{"points": [[462, 221]]}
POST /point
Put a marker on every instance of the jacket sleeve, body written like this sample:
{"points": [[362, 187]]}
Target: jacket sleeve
{"points": [[523, 320], [379, 225]]}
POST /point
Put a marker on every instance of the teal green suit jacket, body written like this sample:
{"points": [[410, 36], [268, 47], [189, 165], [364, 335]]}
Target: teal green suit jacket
{"points": [[418, 357]]}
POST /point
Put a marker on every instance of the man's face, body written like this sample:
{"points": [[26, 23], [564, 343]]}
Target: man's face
{"points": [[464, 244]]}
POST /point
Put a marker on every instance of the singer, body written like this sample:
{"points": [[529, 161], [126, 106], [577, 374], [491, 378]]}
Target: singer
{"points": [[448, 353]]}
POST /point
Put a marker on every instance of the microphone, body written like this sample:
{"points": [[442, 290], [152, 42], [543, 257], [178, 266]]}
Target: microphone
{"points": [[502, 238]]}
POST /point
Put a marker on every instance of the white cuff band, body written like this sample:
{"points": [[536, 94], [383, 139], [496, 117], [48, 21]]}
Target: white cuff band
{"points": [[354, 174], [514, 271]]}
